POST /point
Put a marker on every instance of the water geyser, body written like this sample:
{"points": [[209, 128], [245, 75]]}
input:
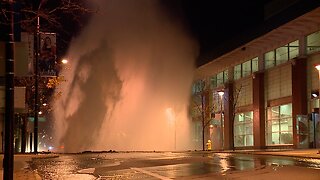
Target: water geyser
{"points": [[128, 81]]}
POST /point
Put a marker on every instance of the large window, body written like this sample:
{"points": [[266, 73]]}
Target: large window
{"points": [[243, 129], [237, 72], [313, 42], [246, 68], [213, 82], [279, 125], [269, 59], [281, 54], [219, 79], [198, 86]]}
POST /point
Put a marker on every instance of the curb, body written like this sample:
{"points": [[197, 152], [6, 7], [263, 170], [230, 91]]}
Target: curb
{"points": [[317, 156]]}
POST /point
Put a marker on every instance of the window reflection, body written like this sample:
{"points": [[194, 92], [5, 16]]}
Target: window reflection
{"points": [[279, 125], [243, 129]]}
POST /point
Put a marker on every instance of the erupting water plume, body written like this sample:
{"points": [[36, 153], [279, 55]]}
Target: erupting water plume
{"points": [[128, 82]]}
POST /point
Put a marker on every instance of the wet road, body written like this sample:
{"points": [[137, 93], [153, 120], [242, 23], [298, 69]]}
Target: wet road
{"points": [[166, 165]]}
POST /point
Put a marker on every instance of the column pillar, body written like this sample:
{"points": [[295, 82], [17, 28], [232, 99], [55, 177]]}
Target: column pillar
{"points": [[299, 93], [228, 116], [258, 111]]}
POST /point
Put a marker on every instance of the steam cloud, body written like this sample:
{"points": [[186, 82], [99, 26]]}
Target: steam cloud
{"points": [[128, 83]]}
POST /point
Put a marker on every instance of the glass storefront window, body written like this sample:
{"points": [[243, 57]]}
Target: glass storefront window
{"points": [[225, 76], [281, 55], [313, 42], [243, 129], [269, 59], [213, 82], [220, 78], [293, 49], [237, 72], [255, 64], [246, 68], [198, 86], [279, 125]]}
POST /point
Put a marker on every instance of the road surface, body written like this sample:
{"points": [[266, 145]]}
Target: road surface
{"points": [[167, 165]]}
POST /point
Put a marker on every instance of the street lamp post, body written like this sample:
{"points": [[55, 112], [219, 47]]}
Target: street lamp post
{"points": [[221, 93]]}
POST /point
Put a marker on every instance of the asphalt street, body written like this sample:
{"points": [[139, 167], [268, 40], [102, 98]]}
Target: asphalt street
{"points": [[168, 165]]}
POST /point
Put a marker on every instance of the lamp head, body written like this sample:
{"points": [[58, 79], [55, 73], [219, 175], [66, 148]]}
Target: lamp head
{"points": [[221, 93]]}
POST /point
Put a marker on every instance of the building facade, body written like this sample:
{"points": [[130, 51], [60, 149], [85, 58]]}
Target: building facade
{"points": [[270, 90]]}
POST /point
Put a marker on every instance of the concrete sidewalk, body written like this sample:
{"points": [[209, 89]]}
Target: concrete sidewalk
{"points": [[21, 169], [301, 153]]}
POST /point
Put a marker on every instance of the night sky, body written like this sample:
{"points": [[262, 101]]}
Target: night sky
{"points": [[211, 22], [214, 22]]}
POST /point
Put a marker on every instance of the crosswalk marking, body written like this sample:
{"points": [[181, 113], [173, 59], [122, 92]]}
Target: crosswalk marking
{"points": [[151, 174]]}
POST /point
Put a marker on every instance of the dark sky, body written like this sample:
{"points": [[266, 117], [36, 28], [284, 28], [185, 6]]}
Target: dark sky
{"points": [[213, 22]]}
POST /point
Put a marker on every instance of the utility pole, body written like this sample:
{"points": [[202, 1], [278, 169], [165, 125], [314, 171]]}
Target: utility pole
{"points": [[9, 96], [36, 79], [36, 89]]}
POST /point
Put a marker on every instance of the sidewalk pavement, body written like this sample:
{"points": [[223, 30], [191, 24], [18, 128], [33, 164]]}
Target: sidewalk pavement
{"points": [[21, 169], [301, 153]]}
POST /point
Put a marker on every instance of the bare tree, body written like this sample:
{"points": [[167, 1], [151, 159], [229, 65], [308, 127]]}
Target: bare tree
{"points": [[236, 95], [203, 107]]}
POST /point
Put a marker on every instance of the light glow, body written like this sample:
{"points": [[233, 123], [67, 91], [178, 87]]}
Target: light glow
{"points": [[64, 61], [221, 93]]}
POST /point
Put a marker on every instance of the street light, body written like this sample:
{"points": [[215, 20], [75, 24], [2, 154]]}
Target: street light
{"points": [[64, 61], [221, 93]]}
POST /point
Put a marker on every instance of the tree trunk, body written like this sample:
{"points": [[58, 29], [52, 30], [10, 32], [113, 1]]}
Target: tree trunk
{"points": [[203, 148], [24, 134]]}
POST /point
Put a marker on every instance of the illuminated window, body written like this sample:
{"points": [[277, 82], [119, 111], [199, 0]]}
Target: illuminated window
{"points": [[293, 49], [222, 77], [237, 72], [255, 64], [213, 82], [269, 59], [313, 42], [279, 125], [245, 69], [243, 129], [198, 86], [281, 54], [225, 76]]}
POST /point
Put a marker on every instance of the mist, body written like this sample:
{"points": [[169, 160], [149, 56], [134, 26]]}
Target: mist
{"points": [[128, 83]]}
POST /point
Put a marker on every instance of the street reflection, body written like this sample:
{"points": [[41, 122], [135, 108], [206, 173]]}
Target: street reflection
{"points": [[174, 165]]}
